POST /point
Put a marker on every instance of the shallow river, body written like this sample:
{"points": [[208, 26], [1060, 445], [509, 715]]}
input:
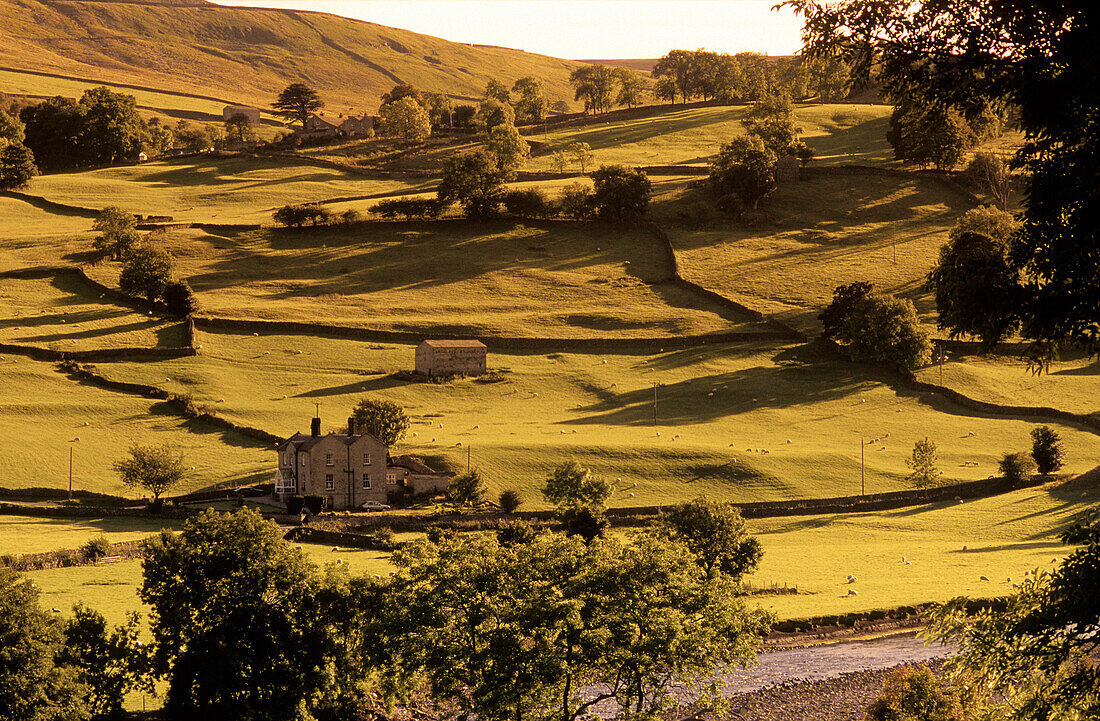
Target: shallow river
{"points": [[812, 664]]}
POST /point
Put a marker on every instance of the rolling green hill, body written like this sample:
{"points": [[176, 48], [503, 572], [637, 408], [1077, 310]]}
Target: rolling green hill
{"points": [[247, 55]]}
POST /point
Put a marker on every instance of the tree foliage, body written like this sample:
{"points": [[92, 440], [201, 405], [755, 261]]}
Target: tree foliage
{"points": [[1016, 467], [153, 468], [475, 181], [238, 127], [992, 174], [572, 486], [110, 662], [467, 489], [975, 58], [1046, 450], [296, 102], [929, 135], [913, 693], [972, 280], [498, 91], [146, 271], [620, 194], [885, 330], [383, 419], [297, 215], [715, 534], [743, 173], [632, 87], [406, 119], [1031, 659], [508, 147], [922, 464], [17, 166], [180, 299], [117, 234], [594, 85], [531, 102], [34, 686], [845, 299], [772, 120], [492, 113]]}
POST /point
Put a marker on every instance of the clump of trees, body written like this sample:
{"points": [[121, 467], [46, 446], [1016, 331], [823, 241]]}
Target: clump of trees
{"points": [[117, 232], [620, 194], [466, 489], [146, 271], [408, 208], [407, 119], [742, 174], [385, 420], [749, 77], [17, 165], [101, 128], [877, 328], [299, 215]]}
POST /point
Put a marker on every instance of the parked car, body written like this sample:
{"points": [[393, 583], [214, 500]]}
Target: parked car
{"points": [[374, 506]]}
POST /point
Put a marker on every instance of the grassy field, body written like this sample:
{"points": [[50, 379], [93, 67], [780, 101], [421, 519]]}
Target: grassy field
{"points": [[554, 280], [43, 414], [29, 534], [248, 55], [214, 190], [841, 133], [62, 314], [719, 407], [817, 234]]}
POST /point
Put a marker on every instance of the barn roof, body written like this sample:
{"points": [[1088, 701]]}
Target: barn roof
{"points": [[453, 344]]}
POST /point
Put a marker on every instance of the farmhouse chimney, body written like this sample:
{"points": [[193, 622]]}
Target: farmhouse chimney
{"points": [[351, 425], [315, 427]]}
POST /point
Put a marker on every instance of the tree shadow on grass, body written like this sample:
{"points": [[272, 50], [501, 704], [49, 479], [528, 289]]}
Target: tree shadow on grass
{"points": [[362, 386]]}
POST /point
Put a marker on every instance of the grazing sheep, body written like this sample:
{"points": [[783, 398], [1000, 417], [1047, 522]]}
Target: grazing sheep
{"points": [[296, 352], [433, 440], [852, 579], [1015, 585], [56, 610], [415, 434], [983, 578], [904, 559], [85, 422], [476, 427], [789, 441], [335, 549], [631, 495], [853, 592], [964, 548], [862, 400], [298, 548], [605, 362], [1008, 580], [563, 431], [339, 560], [710, 395], [574, 430], [658, 433], [255, 334], [908, 563]]}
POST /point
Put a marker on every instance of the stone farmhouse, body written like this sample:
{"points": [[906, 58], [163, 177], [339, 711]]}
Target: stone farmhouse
{"points": [[436, 358], [321, 126], [348, 469]]}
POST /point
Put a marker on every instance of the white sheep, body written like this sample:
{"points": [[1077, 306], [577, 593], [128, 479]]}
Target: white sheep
{"points": [[574, 430], [904, 559], [658, 433], [983, 578], [852, 579], [631, 495], [853, 592], [563, 431], [335, 549]]}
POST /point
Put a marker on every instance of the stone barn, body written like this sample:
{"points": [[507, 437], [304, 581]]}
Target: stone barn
{"points": [[451, 357]]}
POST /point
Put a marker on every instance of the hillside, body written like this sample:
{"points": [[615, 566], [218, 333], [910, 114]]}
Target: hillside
{"points": [[248, 55]]}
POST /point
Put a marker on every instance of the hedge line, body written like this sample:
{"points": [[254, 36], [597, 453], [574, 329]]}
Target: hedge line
{"points": [[68, 558]]}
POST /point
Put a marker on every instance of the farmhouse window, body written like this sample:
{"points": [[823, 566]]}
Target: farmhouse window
{"points": [[391, 478], [366, 459], [328, 460], [303, 460], [366, 481], [330, 482]]}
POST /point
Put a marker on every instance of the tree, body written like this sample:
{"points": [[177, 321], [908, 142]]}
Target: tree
{"points": [[828, 77], [238, 127], [53, 132], [496, 90], [743, 173], [474, 180], [34, 686], [581, 153], [111, 129], [492, 113], [531, 103], [244, 627], [464, 116], [153, 468], [117, 234], [992, 174], [146, 271], [440, 110], [632, 87], [161, 138], [402, 91], [971, 279], [16, 166], [12, 130], [1030, 660], [571, 486], [996, 224], [913, 693], [296, 216], [676, 72], [1016, 467], [385, 420], [929, 135], [593, 84], [296, 102], [509, 500], [923, 465], [529, 203], [971, 56], [467, 489], [575, 201], [715, 533], [1046, 450], [508, 147], [180, 299], [886, 330], [514, 632], [109, 662], [772, 120], [845, 298], [620, 194], [194, 139], [406, 119]]}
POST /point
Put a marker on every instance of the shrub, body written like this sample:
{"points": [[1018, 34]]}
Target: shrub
{"points": [[180, 299], [1016, 467], [475, 181], [96, 548], [530, 203], [587, 523], [295, 504], [978, 292], [575, 201], [408, 208], [1046, 450], [514, 532], [314, 504], [296, 216], [914, 692], [350, 216], [509, 500]]}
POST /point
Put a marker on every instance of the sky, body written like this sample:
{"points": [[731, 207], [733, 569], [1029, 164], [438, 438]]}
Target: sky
{"points": [[580, 29]]}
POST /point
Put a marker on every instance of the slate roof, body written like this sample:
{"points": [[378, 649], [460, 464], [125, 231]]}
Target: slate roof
{"points": [[453, 343]]}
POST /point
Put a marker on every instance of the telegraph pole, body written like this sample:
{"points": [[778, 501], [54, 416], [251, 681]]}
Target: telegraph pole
{"points": [[862, 469], [655, 403], [70, 473], [468, 446]]}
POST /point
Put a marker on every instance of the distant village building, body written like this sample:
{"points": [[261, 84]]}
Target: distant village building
{"points": [[348, 469], [451, 357], [788, 169], [318, 127], [253, 114], [354, 127], [143, 156]]}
